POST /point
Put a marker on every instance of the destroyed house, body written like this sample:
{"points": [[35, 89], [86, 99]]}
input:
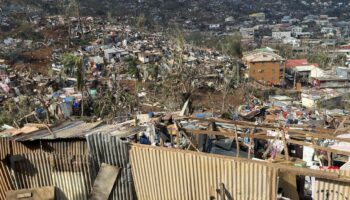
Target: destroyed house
{"points": [[300, 71], [330, 82], [148, 57], [104, 162], [114, 53], [266, 67], [79, 164]]}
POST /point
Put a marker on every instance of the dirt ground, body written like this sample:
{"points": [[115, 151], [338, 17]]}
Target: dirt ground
{"points": [[37, 60], [212, 100]]}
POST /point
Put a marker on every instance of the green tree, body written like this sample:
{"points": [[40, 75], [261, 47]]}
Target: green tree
{"points": [[133, 68], [69, 62], [73, 67], [153, 71], [231, 45], [80, 73], [284, 50], [320, 57]]}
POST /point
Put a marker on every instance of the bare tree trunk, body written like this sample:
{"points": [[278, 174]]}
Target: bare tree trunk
{"points": [[238, 74], [79, 19], [69, 32], [224, 97], [42, 101], [82, 102], [223, 103]]}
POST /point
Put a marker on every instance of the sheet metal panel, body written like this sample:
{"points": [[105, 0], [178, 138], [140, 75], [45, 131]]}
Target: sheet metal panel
{"points": [[31, 170], [73, 146], [70, 174], [68, 129], [332, 190], [6, 183], [5, 148], [161, 173], [113, 150], [25, 147]]}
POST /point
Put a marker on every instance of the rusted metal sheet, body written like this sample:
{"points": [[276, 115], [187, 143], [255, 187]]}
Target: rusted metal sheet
{"points": [[70, 174], [113, 150], [161, 173], [332, 190]]}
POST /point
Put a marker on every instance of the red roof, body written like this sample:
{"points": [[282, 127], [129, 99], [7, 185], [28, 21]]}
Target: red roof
{"points": [[345, 46], [296, 62]]}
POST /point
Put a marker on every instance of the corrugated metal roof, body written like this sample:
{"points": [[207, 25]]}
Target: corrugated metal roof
{"points": [[74, 146], [162, 173], [262, 57], [70, 129], [113, 150]]}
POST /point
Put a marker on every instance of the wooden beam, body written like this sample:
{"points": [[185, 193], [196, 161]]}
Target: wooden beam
{"points": [[285, 145], [265, 137], [302, 143], [317, 135], [266, 126], [251, 142], [189, 140], [237, 142]]}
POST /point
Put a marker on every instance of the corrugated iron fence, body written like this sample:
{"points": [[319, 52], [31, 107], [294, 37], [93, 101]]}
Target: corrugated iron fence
{"points": [[65, 164], [332, 190], [6, 182], [175, 174], [158, 173]]}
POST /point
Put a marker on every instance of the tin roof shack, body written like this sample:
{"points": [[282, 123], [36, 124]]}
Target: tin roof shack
{"points": [[310, 101], [114, 54], [329, 98], [149, 57], [283, 99], [267, 67], [300, 71], [330, 82], [343, 72]]}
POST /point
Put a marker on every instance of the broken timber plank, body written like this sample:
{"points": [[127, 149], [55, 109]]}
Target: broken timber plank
{"points": [[104, 182]]}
